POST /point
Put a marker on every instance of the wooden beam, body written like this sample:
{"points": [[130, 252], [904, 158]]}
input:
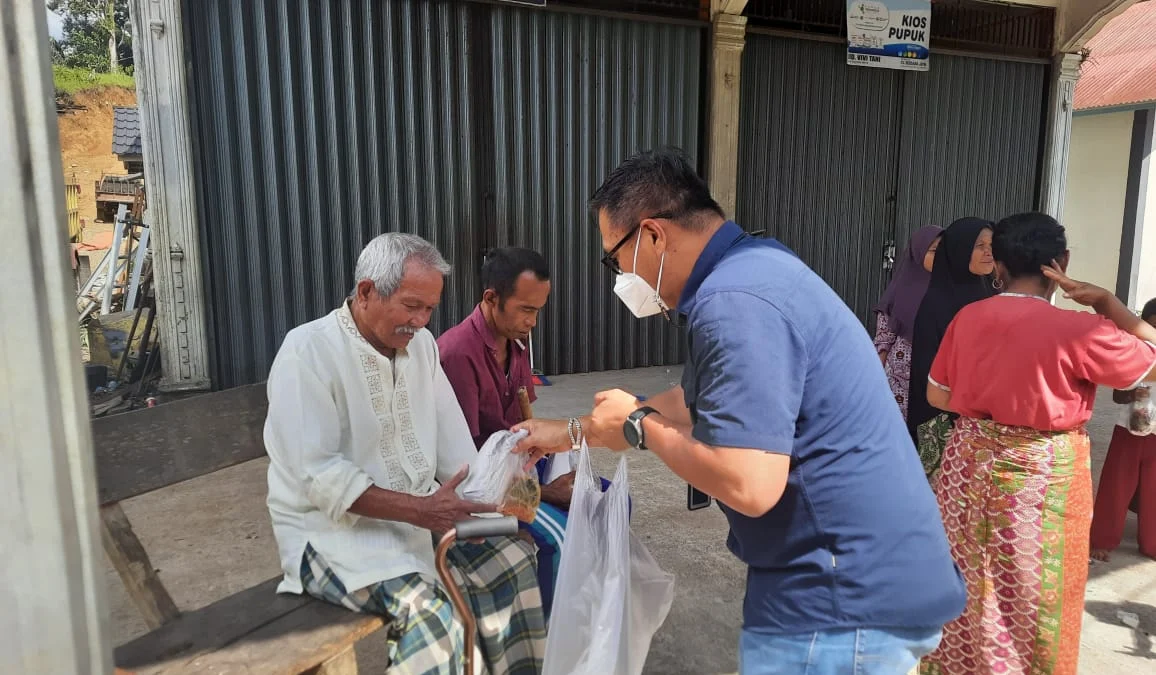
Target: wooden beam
{"points": [[131, 562], [256, 628], [295, 643], [152, 448], [344, 663]]}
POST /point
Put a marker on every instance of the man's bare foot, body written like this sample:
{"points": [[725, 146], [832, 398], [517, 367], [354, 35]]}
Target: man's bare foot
{"points": [[1101, 555]]}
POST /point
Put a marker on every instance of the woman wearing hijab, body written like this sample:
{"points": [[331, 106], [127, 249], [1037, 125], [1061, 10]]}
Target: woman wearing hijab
{"points": [[1015, 489], [962, 261], [896, 310]]}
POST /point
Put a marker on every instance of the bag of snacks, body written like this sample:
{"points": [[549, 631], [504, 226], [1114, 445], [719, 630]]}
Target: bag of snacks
{"points": [[1142, 413], [498, 477]]}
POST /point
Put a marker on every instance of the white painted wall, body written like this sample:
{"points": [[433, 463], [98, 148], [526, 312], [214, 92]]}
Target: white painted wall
{"points": [[1094, 200]]}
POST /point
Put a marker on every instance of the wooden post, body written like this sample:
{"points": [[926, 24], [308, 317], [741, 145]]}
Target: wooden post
{"points": [[54, 611]]}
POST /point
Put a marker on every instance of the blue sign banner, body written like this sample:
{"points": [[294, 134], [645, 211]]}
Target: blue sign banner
{"points": [[889, 33]]}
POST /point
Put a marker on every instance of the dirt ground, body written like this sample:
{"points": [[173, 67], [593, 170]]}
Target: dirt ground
{"points": [[86, 142], [210, 538]]}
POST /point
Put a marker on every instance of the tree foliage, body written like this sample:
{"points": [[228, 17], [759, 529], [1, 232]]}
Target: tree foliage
{"points": [[97, 35]]}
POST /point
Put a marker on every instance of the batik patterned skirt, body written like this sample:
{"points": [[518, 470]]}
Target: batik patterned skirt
{"points": [[1017, 506]]}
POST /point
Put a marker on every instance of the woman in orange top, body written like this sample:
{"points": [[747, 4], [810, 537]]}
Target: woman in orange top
{"points": [[1015, 488]]}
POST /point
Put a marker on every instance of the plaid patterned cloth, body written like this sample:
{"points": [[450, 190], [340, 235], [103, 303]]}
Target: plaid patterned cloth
{"points": [[498, 579]]}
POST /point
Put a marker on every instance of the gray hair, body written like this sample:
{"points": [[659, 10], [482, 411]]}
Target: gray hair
{"points": [[383, 260]]}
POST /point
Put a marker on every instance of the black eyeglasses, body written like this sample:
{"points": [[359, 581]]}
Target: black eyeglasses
{"points": [[610, 260]]}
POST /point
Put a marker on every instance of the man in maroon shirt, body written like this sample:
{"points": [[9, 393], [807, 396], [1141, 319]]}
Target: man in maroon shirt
{"points": [[487, 362]]}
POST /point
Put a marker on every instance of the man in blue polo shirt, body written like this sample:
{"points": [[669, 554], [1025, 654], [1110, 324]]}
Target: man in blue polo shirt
{"points": [[785, 416]]}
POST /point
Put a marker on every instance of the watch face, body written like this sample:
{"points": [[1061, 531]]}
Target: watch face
{"points": [[630, 431]]}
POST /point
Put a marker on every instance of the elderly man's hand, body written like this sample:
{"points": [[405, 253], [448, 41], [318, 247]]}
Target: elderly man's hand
{"points": [[560, 492], [444, 509]]}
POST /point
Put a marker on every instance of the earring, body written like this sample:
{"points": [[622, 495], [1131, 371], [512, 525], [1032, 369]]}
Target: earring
{"points": [[997, 284]]}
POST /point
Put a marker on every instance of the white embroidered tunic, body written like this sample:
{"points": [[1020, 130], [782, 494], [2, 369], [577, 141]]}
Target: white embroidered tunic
{"points": [[343, 417]]}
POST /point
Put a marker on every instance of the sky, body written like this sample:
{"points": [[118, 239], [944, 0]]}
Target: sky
{"points": [[55, 25]]}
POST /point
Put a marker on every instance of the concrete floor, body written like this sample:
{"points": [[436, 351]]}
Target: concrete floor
{"points": [[210, 538]]}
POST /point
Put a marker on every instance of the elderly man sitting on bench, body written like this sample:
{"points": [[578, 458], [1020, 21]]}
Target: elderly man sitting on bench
{"points": [[362, 428]]}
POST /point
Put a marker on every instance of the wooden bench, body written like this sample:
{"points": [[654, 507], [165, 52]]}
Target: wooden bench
{"points": [[254, 631]]}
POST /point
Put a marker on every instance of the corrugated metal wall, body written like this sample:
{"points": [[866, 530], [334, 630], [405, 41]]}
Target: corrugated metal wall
{"points": [[818, 149], [322, 123], [970, 140], [574, 95], [838, 161]]}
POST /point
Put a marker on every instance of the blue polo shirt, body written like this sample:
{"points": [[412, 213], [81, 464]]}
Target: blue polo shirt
{"points": [[779, 363]]}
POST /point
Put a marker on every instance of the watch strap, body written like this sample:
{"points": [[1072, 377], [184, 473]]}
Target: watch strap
{"points": [[636, 418]]}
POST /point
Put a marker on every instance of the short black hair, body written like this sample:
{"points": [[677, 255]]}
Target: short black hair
{"points": [[503, 266], [1149, 310], [659, 183], [1025, 242]]}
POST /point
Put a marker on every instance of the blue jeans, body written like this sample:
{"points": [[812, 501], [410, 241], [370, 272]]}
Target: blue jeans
{"points": [[836, 652]]}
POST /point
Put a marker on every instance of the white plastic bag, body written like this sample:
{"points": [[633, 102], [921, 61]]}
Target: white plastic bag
{"points": [[559, 464], [497, 477], [1142, 413], [611, 596]]}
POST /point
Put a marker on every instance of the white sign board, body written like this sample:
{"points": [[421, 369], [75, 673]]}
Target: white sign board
{"points": [[888, 33]]}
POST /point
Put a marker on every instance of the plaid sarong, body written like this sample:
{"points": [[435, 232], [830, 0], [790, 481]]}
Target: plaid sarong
{"points": [[425, 638]]}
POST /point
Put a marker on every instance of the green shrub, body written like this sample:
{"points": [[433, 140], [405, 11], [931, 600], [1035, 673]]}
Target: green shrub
{"points": [[69, 81]]}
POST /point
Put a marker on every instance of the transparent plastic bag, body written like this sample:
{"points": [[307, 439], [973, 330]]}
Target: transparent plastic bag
{"points": [[497, 477], [611, 597], [1142, 413]]}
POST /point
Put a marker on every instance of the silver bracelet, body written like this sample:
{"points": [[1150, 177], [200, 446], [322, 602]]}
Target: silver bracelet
{"points": [[574, 431]]}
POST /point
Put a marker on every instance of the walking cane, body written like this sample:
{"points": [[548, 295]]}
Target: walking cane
{"points": [[477, 528]]}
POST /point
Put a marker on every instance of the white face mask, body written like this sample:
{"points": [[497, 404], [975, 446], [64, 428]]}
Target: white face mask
{"points": [[635, 293]]}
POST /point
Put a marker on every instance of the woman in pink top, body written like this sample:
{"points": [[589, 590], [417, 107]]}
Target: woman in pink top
{"points": [[1015, 487]]}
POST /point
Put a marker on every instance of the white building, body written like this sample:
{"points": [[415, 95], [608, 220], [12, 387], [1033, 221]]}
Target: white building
{"points": [[1110, 206]]}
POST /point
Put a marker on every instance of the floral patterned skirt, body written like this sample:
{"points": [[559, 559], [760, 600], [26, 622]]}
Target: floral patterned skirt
{"points": [[898, 369], [932, 438], [1017, 506]]}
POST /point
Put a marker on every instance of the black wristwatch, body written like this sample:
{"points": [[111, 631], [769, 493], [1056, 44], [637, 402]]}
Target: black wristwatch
{"points": [[632, 428]]}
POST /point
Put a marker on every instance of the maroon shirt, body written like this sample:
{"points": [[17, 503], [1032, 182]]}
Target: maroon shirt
{"points": [[488, 397]]}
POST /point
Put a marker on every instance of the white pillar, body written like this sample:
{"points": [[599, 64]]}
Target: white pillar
{"points": [[166, 137], [1065, 73], [52, 608], [728, 36]]}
